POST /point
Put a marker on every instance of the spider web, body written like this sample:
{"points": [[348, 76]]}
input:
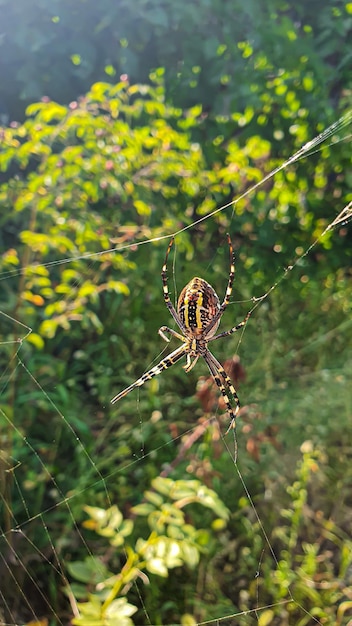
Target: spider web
{"points": [[26, 526]]}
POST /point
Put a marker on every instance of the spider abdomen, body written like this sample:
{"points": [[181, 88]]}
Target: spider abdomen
{"points": [[197, 306]]}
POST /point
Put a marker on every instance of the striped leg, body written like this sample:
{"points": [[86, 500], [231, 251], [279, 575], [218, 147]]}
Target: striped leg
{"points": [[219, 373], [166, 329], [228, 289], [166, 295], [163, 365], [232, 330]]}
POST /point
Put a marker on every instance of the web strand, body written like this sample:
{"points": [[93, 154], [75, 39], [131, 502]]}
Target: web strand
{"points": [[303, 152], [18, 363]]}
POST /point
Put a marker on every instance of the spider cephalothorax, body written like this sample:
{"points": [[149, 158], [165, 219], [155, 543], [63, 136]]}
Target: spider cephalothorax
{"points": [[198, 317]]}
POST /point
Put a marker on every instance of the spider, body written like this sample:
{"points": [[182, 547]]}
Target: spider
{"points": [[198, 316]]}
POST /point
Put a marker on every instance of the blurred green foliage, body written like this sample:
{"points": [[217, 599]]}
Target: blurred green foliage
{"points": [[90, 193], [211, 50], [303, 576], [172, 542]]}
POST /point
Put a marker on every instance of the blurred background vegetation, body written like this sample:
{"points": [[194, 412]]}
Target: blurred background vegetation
{"points": [[123, 123]]}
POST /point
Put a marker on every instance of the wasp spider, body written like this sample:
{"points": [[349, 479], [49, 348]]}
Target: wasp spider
{"points": [[198, 316]]}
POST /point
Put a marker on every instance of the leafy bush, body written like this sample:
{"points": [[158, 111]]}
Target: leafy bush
{"points": [[172, 542], [82, 186], [223, 55]]}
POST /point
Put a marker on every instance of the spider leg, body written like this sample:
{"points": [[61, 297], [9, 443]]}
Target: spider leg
{"points": [[166, 294], [232, 330], [228, 289], [219, 373], [166, 329], [164, 364], [190, 364]]}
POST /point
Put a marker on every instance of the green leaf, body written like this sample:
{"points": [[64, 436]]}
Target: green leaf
{"points": [[142, 509], [36, 340]]}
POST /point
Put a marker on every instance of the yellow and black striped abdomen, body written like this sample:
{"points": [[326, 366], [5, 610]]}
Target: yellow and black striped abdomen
{"points": [[197, 306]]}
